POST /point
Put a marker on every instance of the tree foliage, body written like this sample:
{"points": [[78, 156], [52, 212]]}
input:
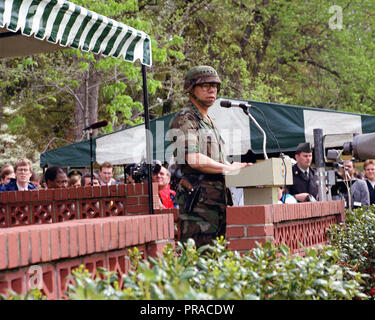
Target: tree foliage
{"points": [[309, 53]]}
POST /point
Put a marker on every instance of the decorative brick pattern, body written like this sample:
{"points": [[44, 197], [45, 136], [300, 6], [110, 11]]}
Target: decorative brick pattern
{"points": [[55, 231], [19, 215], [292, 224], [3, 216], [66, 211], [90, 209], [42, 213], [114, 207], [56, 249], [58, 205]]}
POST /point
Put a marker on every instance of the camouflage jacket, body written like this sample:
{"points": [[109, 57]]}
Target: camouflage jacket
{"points": [[195, 133]]}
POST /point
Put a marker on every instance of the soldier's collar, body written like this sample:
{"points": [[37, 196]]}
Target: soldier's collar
{"points": [[196, 111], [303, 171], [206, 119]]}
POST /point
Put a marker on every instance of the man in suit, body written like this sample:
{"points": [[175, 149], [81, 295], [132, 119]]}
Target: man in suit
{"points": [[23, 172], [369, 167], [304, 176], [360, 195]]}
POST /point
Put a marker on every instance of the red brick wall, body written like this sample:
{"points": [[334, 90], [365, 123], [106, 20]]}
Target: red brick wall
{"points": [[58, 248], [44, 234], [19, 208], [291, 224], [53, 231]]}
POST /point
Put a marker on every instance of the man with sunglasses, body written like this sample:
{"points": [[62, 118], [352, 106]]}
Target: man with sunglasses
{"points": [[199, 153]]}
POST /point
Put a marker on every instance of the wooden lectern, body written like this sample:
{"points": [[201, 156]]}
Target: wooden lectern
{"points": [[261, 180]]}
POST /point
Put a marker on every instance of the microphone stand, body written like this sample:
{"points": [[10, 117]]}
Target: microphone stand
{"points": [[246, 111], [94, 125], [91, 159]]}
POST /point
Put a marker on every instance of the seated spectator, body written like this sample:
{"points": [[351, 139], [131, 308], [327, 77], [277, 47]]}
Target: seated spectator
{"points": [[106, 174], [166, 195], [121, 178], [128, 173], [74, 172], [21, 181], [86, 180], [74, 181], [7, 173], [284, 197], [55, 177], [35, 180], [369, 167], [360, 195]]}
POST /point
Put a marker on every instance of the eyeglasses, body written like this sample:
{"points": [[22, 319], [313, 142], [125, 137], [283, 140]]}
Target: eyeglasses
{"points": [[208, 86], [22, 170]]}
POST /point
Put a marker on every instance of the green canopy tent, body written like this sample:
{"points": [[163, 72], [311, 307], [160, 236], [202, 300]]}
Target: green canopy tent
{"points": [[39, 26], [290, 124]]}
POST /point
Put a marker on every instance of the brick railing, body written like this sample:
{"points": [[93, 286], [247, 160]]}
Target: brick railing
{"points": [[291, 224], [45, 234], [19, 208], [59, 248]]}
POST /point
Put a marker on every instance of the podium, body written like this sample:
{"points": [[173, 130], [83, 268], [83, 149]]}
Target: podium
{"points": [[261, 180]]}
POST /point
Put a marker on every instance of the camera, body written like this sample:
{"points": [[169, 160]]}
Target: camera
{"points": [[139, 172], [362, 147]]}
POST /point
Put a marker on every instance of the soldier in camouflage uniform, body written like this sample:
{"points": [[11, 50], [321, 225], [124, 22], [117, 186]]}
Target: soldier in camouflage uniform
{"points": [[199, 153]]}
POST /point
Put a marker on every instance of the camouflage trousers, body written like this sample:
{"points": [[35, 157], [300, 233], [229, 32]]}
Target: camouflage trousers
{"points": [[207, 220]]}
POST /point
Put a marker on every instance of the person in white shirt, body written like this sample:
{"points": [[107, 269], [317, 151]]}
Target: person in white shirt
{"points": [[285, 197], [23, 173], [106, 174]]}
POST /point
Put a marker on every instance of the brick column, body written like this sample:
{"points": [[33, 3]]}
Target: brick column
{"points": [[291, 224], [56, 249]]}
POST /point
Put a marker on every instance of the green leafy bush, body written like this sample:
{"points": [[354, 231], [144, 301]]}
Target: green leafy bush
{"points": [[356, 241], [33, 294], [214, 272]]}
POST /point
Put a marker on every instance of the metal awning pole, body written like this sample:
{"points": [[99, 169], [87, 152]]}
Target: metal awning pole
{"points": [[148, 136]]}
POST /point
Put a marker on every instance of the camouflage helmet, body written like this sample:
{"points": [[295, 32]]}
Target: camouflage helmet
{"points": [[200, 74]]}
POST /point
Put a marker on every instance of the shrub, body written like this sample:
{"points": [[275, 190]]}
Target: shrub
{"points": [[356, 241], [214, 272], [33, 294]]}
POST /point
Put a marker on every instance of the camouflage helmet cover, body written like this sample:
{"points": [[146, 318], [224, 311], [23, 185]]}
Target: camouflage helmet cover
{"points": [[200, 74]]}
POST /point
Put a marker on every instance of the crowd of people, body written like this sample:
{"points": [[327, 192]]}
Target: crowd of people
{"points": [[21, 177], [357, 188]]}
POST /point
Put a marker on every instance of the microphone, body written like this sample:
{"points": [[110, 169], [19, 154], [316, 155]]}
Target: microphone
{"points": [[97, 125], [229, 104], [245, 108]]}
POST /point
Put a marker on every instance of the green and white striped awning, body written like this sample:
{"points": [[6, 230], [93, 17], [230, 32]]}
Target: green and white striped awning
{"points": [[59, 23]]}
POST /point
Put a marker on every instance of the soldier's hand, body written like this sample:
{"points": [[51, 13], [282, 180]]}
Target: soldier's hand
{"points": [[238, 165]]}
